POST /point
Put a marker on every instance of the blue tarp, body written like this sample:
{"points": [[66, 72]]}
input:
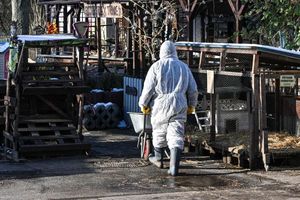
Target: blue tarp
{"points": [[3, 46]]}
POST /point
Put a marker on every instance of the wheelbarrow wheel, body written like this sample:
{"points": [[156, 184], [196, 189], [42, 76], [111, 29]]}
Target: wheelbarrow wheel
{"points": [[145, 147]]}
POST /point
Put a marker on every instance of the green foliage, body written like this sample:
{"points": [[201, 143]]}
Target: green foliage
{"points": [[268, 19]]}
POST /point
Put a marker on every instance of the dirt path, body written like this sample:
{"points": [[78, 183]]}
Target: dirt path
{"points": [[114, 171]]}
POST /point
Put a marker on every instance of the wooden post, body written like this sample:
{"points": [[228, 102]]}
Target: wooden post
{"points": [[222, 60], [254, 135], [277, 104], [218, 113], [65, 19], [99, 45], [263, 123], [213, 117], [201, 60], [81, 97], [250, 118]]}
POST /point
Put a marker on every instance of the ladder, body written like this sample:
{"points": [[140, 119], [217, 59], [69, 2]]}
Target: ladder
{"points": [[203, 119], [202, 113]]}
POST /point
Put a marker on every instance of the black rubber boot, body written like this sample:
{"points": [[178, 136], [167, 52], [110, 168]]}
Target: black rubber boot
{"points": [[174, 161], [157, 159]]}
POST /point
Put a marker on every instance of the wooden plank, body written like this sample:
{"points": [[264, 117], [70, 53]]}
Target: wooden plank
{"points": [[8, 136], [254, 135], [80, 115], [53, 106], [34, 134], [56, 147], [44, 120], [51, 64], [48, 137], [42, 129], [53, 81], [58, 90], [49, 73], [216, 50], [57, 133]]}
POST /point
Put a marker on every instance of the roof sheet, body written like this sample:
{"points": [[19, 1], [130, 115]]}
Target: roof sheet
{"points": [[51, 40], [257, 47]]}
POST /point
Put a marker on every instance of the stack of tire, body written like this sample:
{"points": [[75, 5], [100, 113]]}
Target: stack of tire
{"points": [[101, 115]]}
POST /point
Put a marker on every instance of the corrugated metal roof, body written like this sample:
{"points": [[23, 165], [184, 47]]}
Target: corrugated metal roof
{"points": [[256, 47]]}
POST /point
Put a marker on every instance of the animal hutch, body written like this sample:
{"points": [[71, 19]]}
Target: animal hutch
{"points": [[44, 100], [251, 90]]}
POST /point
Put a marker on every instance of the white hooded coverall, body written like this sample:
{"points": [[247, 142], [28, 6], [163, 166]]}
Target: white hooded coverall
{"points": [[169, 89]]}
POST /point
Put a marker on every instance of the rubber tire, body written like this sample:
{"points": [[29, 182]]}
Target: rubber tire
{"points": [[99, 123], [113, 109], [89, 123], [88, 110], [99, 110]]}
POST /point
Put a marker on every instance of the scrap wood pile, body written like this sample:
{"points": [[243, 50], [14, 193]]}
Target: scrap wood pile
{"points": [[237, 142]]}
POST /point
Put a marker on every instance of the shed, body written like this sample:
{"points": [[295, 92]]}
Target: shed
{"points": [[271, 78]]}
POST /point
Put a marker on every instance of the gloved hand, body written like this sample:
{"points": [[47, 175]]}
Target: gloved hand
{"points": [[146, 110], [190, 110]]}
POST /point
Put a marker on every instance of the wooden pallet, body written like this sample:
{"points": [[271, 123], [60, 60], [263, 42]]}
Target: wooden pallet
{"points": [[40, 136], [44, 103]]}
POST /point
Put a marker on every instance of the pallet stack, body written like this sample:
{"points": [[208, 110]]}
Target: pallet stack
{"points": [[44, 101]]}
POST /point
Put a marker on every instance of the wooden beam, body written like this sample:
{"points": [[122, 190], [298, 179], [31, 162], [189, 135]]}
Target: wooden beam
{"points": [[54, 107], [263, 123], [201, 59], [222, 60], [255, 63]]}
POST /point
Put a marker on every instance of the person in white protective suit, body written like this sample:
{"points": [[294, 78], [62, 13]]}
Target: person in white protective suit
{"points": [[169, 93]]}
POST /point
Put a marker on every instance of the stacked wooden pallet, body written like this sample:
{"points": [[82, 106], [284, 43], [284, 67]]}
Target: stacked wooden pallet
{"points": [[44, 102]]}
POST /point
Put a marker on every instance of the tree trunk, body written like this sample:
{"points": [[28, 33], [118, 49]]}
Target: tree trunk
{"points": [[20, 14], [4, 20], [37, 17]]}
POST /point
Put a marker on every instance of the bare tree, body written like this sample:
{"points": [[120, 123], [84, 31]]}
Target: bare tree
{"points": [[5, 19], [20, 14], [158, 24], [28, 15], [37, 18]]}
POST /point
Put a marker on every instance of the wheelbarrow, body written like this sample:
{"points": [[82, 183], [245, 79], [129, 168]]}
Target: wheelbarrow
{"points": [[142, 126]]}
